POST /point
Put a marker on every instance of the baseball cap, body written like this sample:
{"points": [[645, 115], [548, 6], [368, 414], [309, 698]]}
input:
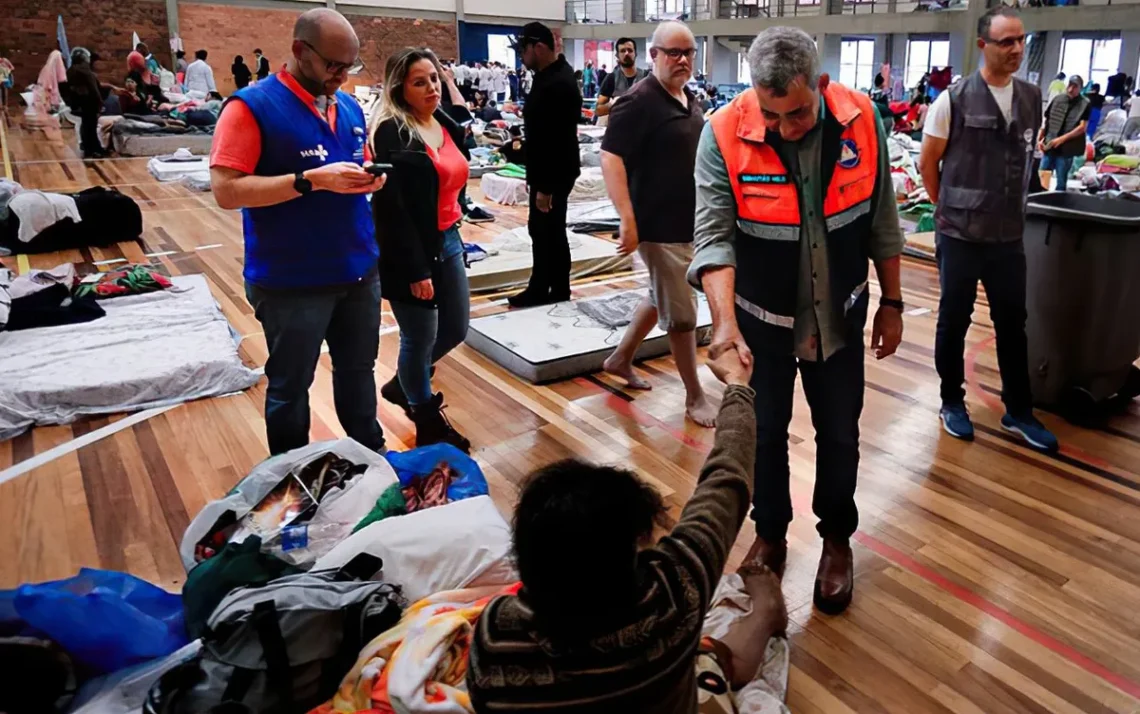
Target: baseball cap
{"points": [[533, 33]]}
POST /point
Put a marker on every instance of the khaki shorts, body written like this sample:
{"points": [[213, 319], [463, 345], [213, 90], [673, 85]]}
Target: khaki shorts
{"points": [[669, 291]]}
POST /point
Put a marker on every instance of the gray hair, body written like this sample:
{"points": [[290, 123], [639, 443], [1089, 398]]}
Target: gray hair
{"points": [[664, 28], [81, 54], [779, 55]]}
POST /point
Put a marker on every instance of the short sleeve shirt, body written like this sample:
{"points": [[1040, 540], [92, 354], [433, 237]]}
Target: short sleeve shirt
{"points": [[656, 137]]}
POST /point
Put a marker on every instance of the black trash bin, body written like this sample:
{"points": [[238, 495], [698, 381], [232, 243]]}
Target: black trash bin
{"points": [[1083, 261]]}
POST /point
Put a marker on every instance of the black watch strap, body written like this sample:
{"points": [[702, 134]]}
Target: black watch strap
{"points": [[891, 302], [301, 184]]}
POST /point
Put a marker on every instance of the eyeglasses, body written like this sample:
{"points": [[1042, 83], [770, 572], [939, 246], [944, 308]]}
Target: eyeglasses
{"points": [[675, 53], [332, 67], [1007, 43]]}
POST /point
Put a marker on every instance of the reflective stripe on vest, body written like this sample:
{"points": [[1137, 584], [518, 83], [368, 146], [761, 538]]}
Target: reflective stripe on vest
{"points": [[767, 203], [790, 322]]}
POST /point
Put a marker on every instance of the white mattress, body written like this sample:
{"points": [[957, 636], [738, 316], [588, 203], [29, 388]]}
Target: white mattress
{"points": [[551, 342], [512, 264], [148, 351]]}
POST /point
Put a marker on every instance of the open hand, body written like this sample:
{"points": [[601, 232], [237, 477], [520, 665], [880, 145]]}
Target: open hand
{"points": [[886, 333], [629, 237], [344, 177], [423, 290]]}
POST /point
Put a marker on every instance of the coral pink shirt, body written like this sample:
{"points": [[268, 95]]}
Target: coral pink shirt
{"points": [[453, 172]]}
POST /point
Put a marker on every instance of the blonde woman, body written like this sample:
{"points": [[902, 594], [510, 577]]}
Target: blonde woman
{"points": [[417, 216]]}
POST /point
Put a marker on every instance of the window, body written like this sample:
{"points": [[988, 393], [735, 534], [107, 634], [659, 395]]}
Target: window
{"points": [[857, 63], [1091, 59], [924, 55], [499, 50]]}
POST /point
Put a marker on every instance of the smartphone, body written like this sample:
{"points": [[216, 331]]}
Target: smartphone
{"points": [[378, 169]]}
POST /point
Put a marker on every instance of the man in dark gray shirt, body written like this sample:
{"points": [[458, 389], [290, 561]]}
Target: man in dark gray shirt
{"points": [[621, 80]]}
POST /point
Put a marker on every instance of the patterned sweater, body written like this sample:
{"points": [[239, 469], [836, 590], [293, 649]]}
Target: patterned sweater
{"points": [[645, 662]]}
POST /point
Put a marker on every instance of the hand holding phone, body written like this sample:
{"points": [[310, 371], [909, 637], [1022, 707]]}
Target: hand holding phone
{"points": [[378, 169]]}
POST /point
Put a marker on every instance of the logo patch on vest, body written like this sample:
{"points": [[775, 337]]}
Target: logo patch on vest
{"points": [[763, 178], [318, 153], [848, 154]]}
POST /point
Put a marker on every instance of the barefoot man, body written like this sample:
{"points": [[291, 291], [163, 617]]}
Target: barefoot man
{"points": [[647, 161], [794, 199]]}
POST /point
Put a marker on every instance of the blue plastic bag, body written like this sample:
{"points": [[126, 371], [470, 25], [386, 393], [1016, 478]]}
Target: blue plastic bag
{"points": [[422, 461], [104, 619]]}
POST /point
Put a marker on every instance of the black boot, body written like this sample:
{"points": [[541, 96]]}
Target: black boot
{"points": [[433, 427], [394, 393]]}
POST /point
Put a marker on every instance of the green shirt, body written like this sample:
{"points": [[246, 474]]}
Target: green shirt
{"points": [[819, 328]]}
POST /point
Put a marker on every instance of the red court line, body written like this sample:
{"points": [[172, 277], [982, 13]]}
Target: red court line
{"points": [[632, 411], [995, 405], [969, 597]]}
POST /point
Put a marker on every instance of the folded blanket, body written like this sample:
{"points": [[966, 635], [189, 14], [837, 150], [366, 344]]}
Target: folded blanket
{"points": [[420, 665]]}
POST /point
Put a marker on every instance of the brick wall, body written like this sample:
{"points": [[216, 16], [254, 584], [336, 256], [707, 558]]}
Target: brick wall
{"points": [[27, 32], [382, 36], [225, 31]]}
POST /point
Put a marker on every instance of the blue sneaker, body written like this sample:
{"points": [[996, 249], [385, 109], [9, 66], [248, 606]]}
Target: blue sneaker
{"points": [[1031, 430], [956, 421]]}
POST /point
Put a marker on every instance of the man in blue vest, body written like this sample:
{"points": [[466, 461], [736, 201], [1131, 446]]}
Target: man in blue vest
{"points": [[289, 152]]}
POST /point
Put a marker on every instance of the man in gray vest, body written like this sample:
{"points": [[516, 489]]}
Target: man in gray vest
{"points": [[621, 79], [1062, 135], [983, 132]]}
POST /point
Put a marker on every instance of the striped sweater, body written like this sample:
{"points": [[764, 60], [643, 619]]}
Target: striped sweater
{"points": [[645, 662]]}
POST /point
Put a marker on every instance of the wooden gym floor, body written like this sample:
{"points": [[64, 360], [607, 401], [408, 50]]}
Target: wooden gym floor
{"points": [[990, 578]]}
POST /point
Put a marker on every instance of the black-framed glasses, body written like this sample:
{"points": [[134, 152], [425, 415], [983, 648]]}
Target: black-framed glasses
{"points": [[332, 67], [675, 53]]}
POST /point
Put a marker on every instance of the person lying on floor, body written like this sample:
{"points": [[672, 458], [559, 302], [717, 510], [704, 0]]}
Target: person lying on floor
{"points": [[603, 623]]}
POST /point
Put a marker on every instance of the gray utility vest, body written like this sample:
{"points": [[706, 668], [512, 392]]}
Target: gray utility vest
{"points": [[988, 162], [622, 83]]}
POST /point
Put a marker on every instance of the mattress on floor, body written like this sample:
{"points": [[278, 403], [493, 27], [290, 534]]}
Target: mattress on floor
{"points": [[552, 342], [592, 216], [511, 264], [159, 143], [148, 351]]}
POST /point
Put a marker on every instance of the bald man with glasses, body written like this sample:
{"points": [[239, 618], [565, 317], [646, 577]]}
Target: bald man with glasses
{"points": [[648, 160]]}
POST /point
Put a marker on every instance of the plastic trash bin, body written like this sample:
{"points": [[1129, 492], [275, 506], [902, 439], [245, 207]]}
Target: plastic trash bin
{"points": [[1083, 276]]}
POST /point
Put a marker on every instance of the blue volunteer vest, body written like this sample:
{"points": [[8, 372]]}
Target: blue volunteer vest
{"points": [[320, 239]]}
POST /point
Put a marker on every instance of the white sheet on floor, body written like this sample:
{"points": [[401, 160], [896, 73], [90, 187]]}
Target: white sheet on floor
{"points": [[589, 186], [148, 351], [512, 261], [504, 189], [39, 211]]}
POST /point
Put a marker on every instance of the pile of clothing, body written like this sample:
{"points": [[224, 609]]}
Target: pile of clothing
{"points": [[331, 631], [46, 298], [40, 222]]}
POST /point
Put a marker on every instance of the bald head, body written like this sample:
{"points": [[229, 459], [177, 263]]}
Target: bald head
{"points": [[673, 49], [324, 46]]}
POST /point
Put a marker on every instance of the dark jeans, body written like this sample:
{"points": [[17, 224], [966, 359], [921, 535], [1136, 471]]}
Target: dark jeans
{"points": [[550, 247], [834, 391], [296, 322], [427, 333], [1001, 268], [89, 128]]}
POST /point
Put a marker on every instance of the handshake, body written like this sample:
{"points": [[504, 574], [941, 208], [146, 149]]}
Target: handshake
{"points": [[728, 363]]}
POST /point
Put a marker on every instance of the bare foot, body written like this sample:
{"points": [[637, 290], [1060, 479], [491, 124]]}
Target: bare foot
{"points": [[617, 368], [701, 412], [747, 639]]}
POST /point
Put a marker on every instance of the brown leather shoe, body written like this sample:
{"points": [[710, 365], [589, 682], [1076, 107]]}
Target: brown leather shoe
{"points": [[835, 579], [773, 555]]}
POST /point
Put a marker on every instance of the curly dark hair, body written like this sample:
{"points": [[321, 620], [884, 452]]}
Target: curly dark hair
{"points": [[578, 528]]}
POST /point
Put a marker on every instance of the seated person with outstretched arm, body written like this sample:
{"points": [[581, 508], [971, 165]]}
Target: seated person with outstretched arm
{"points": [[606, 621]]}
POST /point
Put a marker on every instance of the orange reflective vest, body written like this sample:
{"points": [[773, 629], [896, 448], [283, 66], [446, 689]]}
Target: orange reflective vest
{"points": [[768, 209]]}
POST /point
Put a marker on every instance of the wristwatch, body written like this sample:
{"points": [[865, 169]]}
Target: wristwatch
{"points": [[301, 184], [891, 302]]}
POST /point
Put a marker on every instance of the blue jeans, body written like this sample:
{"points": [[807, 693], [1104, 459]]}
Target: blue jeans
{"points": [[429, 333], [1061, 166], [296, 322]]}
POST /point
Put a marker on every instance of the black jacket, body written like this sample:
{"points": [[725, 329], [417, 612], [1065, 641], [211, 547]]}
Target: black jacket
{"points": [[406, 210], [551, 115]]}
